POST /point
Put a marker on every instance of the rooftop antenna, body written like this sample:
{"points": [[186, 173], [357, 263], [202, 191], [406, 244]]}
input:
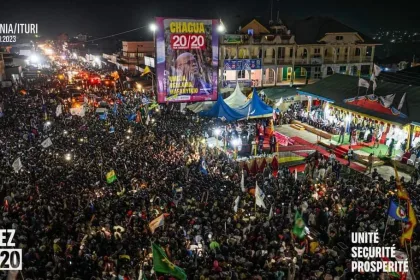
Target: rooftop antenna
{"points": [[271, 13]]}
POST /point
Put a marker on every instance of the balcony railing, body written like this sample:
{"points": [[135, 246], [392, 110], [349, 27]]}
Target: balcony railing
{"points": [[316, 60], [284, 60], [328, 59], [367, 59], [269, 60]]}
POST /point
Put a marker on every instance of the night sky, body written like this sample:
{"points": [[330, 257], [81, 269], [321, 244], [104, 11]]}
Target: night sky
{"points": [[101, 18]]}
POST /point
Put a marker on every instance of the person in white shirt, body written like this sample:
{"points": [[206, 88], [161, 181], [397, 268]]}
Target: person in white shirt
{"points": [[332, 157]]}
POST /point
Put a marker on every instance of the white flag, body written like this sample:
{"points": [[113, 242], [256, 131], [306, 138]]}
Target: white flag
{"points": [[270, 215], [372, 77], [59, 110], [259, 197], [363, 83], [387, 100], [140, 274], [46, 143], [401, 102], [376, 70], [374, 85], [243, 182], [80, 111], [17, 165], [296, 174], [235, 208]]}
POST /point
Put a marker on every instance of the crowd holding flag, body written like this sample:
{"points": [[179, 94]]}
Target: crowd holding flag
{"points": [[158, 222], [111, 176], [46, 143], [397, 212], [270, 215], [203, 167], [243, 189], [259, 197], [59, 110], [235, 208], [146, 71], [410, 226], [401, 102], [363, 83], [162, 264], [299, 227], [411, 220], [17, 165]]}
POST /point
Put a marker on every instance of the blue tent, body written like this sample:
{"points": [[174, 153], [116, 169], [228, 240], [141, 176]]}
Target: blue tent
{"points": [[221, 110], [255, 108]]}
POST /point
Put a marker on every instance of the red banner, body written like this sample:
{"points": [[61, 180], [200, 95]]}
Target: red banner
{"points": [[282, 140]]}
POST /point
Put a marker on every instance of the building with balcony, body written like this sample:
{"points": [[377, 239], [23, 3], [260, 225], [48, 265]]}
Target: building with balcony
{"points": [[134, 53], [293, 53]]}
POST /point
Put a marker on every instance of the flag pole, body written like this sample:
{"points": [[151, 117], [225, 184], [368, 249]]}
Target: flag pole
{"points": [[387, 220], [386, 227]]}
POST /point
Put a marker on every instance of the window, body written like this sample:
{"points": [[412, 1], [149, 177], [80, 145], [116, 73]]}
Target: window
{"points": [[317, 69], [343, 69], [339, 38], [317, 50], [241, 74], [357, 52], [140, 54], [303, 72], [317, 76], [131, 55], [251, 32], [281, 52], [290, 52], [329, 71]]}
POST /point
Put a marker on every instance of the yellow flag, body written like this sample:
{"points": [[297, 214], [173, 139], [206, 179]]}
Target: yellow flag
{"points": [[146, 71]]}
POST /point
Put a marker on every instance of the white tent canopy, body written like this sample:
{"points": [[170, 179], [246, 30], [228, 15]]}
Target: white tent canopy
{"points": [[237, 98], [200, 106]]}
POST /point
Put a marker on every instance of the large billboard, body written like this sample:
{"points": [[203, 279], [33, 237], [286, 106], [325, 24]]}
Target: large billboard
{"points": [[187, 54]]}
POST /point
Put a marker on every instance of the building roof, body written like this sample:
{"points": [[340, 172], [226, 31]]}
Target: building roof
{"points": [[400, 77], [339, 87], [312, 29], [275, 93]]}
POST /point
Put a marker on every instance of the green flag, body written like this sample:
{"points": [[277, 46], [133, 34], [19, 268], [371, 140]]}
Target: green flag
{"points": [[299, 227], [111, 177], [163, 265]]}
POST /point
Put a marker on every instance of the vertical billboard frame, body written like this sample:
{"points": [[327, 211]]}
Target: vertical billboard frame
{"points": [[187, 59]]}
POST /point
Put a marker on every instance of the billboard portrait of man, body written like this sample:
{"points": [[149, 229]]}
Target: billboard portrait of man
{"points": [[187, 66], [187, 59]]}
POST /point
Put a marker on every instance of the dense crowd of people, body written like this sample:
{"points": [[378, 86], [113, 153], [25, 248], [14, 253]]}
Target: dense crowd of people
{"points": [[72, 224]]}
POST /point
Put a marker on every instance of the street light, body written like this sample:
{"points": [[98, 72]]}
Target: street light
{"points": [[67, 157], [153, 27], [221, 28]]}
